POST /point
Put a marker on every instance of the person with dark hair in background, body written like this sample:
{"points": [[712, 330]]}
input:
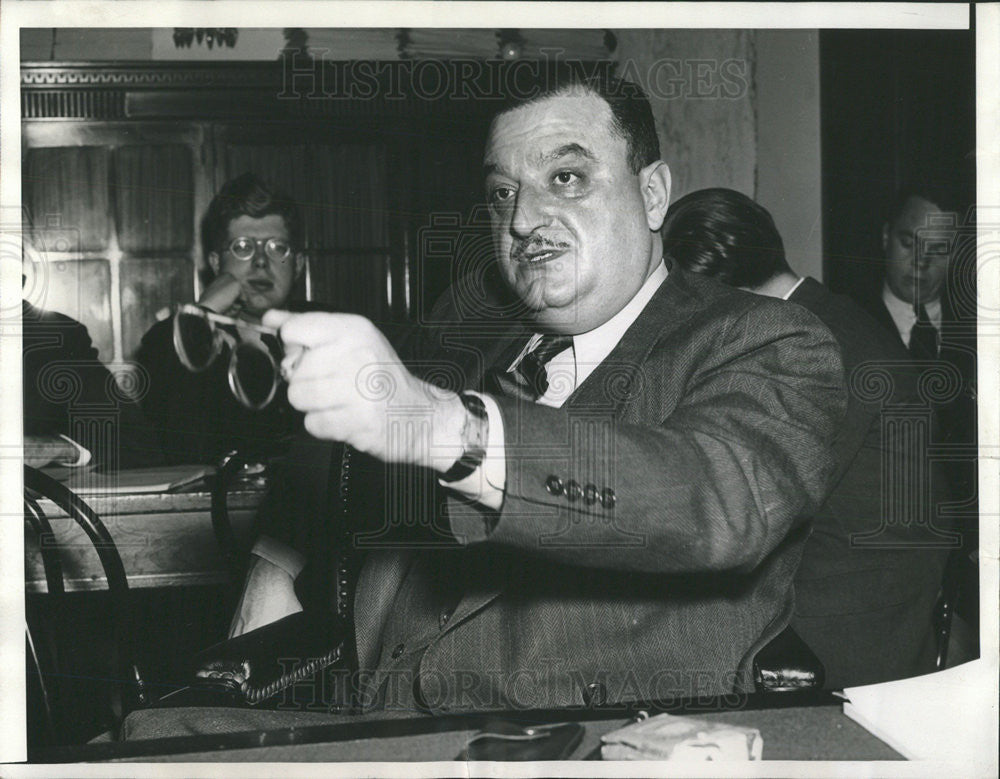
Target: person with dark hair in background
{"points": [[910, 303], [252, 238], [74, 414], [866, 588]]}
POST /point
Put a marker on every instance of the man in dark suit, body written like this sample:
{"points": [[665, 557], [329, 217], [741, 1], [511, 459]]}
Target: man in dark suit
{"points": [[626, 501], [870, 575], [656, 487], [927, 301], [920, 304]]}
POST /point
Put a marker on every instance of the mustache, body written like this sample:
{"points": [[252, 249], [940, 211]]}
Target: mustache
{"points": [[533, 245]]}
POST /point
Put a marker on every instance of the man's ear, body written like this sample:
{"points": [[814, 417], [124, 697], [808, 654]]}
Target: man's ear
{"points": [[213, 262], [300, 264], [654, 181], [885, 237]]}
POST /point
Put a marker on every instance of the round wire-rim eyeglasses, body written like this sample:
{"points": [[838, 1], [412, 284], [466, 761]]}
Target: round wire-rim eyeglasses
{"points": [[199, 339], [245, 248]]}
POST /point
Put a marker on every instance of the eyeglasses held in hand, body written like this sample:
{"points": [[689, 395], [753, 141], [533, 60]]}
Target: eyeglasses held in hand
{"points": [[245, 248], [198, 340]]}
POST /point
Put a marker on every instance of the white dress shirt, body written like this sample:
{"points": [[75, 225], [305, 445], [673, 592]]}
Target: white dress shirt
{"points": [[905, 317], [565, 372]]}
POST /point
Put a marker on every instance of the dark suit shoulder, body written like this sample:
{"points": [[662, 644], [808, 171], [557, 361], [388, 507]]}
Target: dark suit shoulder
{"points": [[704, 299], [50, 330], [874, 306], [156, 341], [862, 340], [858, 332]]}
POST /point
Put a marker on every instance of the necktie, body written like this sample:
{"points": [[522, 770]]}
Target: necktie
{"points": [[528, 380], [923, 337]]}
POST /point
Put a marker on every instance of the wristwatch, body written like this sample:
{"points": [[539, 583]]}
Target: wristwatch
{"points": [[475, 433]]}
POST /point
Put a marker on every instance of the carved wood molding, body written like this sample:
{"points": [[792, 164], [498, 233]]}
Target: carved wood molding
{"points": [[290, 88], [149, 75]]}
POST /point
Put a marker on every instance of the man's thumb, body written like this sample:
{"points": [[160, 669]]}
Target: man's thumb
{"points": [[275, 318]]}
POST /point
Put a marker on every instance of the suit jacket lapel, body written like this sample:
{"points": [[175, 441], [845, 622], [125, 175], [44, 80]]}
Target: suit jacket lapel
{"points": [[621, 375], [484, 580], [379, 581], [610, 385], [475, 354]]}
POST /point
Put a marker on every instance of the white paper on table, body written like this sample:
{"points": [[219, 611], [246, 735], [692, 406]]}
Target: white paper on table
{"points": [[927, 717], [167, 478]]}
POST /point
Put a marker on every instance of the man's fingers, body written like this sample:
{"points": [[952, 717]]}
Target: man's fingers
{"points": [[315, 328], [275, 318], [332, 424], [303, 364], [326, 392], [290, 362]]}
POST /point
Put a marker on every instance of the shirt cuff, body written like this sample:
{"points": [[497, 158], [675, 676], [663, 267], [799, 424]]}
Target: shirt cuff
{"points": [[82, 455], [486, 484], [279, 554]]}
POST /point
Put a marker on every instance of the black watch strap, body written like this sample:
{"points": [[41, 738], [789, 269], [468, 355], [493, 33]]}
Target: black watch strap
{"points": [[474, 437]]}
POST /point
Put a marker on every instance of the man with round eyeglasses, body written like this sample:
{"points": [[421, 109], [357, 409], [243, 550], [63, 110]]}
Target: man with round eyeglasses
{"points": [[252, 239], [255, 266]]}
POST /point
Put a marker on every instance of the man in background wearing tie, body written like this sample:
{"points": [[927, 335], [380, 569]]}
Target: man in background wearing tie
{"points": [[920, 304], [624, 521], [915, 276]]}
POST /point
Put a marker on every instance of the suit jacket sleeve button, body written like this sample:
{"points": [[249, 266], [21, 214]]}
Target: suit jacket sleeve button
{"points": [[554, 485], [573, 491], [608, 498], [590, 494]]}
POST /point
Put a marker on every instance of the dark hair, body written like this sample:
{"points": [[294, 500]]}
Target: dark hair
{"points": [[247, 195], [935, 195], [631, 114], [721, 233]]}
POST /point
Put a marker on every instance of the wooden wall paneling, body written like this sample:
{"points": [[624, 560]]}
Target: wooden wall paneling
{"points": [[154, 186], [66, 192], [363, 170], [339, 182], [353, 281], [150, 286], [445, 185], [348, 216], [154, 204], [81, 288]]}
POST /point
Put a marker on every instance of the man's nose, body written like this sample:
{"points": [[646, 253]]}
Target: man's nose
{"points": [[529, 213], [260, 257]]}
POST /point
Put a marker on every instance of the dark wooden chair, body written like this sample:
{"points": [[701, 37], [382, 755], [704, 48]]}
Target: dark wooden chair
{"points": [[49, 647]]}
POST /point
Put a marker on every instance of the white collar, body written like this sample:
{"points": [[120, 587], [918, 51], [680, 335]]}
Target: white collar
{"points": [[590, 349], [595, 345], [795, 286], [904, 316]]}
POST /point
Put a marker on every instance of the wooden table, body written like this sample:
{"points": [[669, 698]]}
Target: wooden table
{"points": [[794, 726], [165, 540]]}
